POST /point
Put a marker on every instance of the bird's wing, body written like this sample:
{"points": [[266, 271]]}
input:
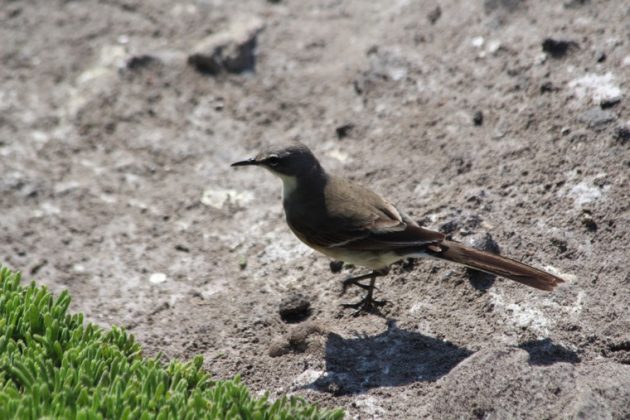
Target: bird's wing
{"points": [[411, 236], [360, 219]]}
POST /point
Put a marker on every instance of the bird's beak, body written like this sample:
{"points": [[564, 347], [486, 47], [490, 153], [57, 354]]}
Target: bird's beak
{"points": [[251, 161]]}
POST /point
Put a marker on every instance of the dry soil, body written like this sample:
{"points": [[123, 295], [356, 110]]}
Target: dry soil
{"points": [[115, 184]]}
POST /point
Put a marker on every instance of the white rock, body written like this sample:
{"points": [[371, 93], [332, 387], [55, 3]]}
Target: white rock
{"points": [[157, 278], [584, 193], [477, 41], [596, 87]]}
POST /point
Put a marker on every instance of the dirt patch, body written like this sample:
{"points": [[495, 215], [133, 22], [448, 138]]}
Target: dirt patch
{"points": [[116, 185]]}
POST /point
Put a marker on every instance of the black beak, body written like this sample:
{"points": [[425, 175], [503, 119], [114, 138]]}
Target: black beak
{"points": [[247, 162]]}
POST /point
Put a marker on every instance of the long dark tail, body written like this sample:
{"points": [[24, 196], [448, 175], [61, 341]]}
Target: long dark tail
{"points": [[493, 264]]}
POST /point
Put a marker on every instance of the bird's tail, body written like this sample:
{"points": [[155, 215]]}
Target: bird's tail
{"points": [[493, 264]]}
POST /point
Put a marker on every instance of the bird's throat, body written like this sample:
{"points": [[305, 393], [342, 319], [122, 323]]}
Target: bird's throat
{"points": [[289, 184]]}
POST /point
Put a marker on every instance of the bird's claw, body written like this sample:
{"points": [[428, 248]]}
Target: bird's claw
{"points": [[366, 304]]}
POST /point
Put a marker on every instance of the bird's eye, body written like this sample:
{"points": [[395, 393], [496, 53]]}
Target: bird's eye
{"points": [[273, 160]]}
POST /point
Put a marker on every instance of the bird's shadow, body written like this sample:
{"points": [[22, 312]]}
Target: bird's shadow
{"points": [[393, 358]]}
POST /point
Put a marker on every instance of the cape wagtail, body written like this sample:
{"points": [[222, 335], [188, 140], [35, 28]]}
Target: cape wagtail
{"points": [[351, 223]]}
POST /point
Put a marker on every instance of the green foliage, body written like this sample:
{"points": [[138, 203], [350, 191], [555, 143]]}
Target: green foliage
{"points": [[52, 365]]}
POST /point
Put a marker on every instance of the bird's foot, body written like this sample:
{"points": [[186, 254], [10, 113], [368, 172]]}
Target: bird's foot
{"points": [[367, 304]]}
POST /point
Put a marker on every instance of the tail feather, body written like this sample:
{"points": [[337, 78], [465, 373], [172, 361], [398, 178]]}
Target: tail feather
{"points": [[494, 264]]}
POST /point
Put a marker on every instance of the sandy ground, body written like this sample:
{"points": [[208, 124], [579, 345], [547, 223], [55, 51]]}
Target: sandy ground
{"points": [[115, 184]]}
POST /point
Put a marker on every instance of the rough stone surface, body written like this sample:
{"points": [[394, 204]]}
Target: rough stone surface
{"points": [[479, 388], [596, 117], [114, 167], [232, 50]]}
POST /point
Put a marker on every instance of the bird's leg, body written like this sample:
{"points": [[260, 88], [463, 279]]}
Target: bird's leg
{"points": [[354, 281], [368, 303]]}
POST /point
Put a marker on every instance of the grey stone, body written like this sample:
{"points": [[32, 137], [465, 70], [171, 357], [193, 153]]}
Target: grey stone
{"points": [[596, 117], [231, 51], [476, 388]]}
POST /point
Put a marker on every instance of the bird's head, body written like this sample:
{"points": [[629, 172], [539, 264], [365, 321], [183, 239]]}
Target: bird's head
{"points": [[289, 160]]}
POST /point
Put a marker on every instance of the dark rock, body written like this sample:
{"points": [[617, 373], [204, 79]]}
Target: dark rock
{"points": [[558, 48], [596, 117], [408, 264], [616, 340], [609, 102], [141, 61], [548, 87], [478, 118], [336, 266], [587, 221], [463, 166], [434, 15], [294, 308], [182, 248], [232, 50], [344, 130], [449, 227], [574, 4], [600, 57], [35, 269], [561, 244], [622, 134]]}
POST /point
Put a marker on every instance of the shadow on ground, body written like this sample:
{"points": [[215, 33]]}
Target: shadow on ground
{"points": [[395, 357], [544, 353]]}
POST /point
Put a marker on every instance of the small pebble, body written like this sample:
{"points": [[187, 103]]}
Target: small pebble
{"points": [[478, 118], [157, 278], [294, 308], [606, 103], [336, 266], [182, 248], [434, 15], [140, 61], [588, 222], [344, 130], [622, 134], [557, 48]]}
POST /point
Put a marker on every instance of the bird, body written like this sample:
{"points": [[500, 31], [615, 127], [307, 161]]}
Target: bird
{"points": [[351, 223]]}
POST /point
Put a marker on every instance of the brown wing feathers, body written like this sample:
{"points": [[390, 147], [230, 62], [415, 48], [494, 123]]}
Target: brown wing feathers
{"points": [[494, 264]]}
